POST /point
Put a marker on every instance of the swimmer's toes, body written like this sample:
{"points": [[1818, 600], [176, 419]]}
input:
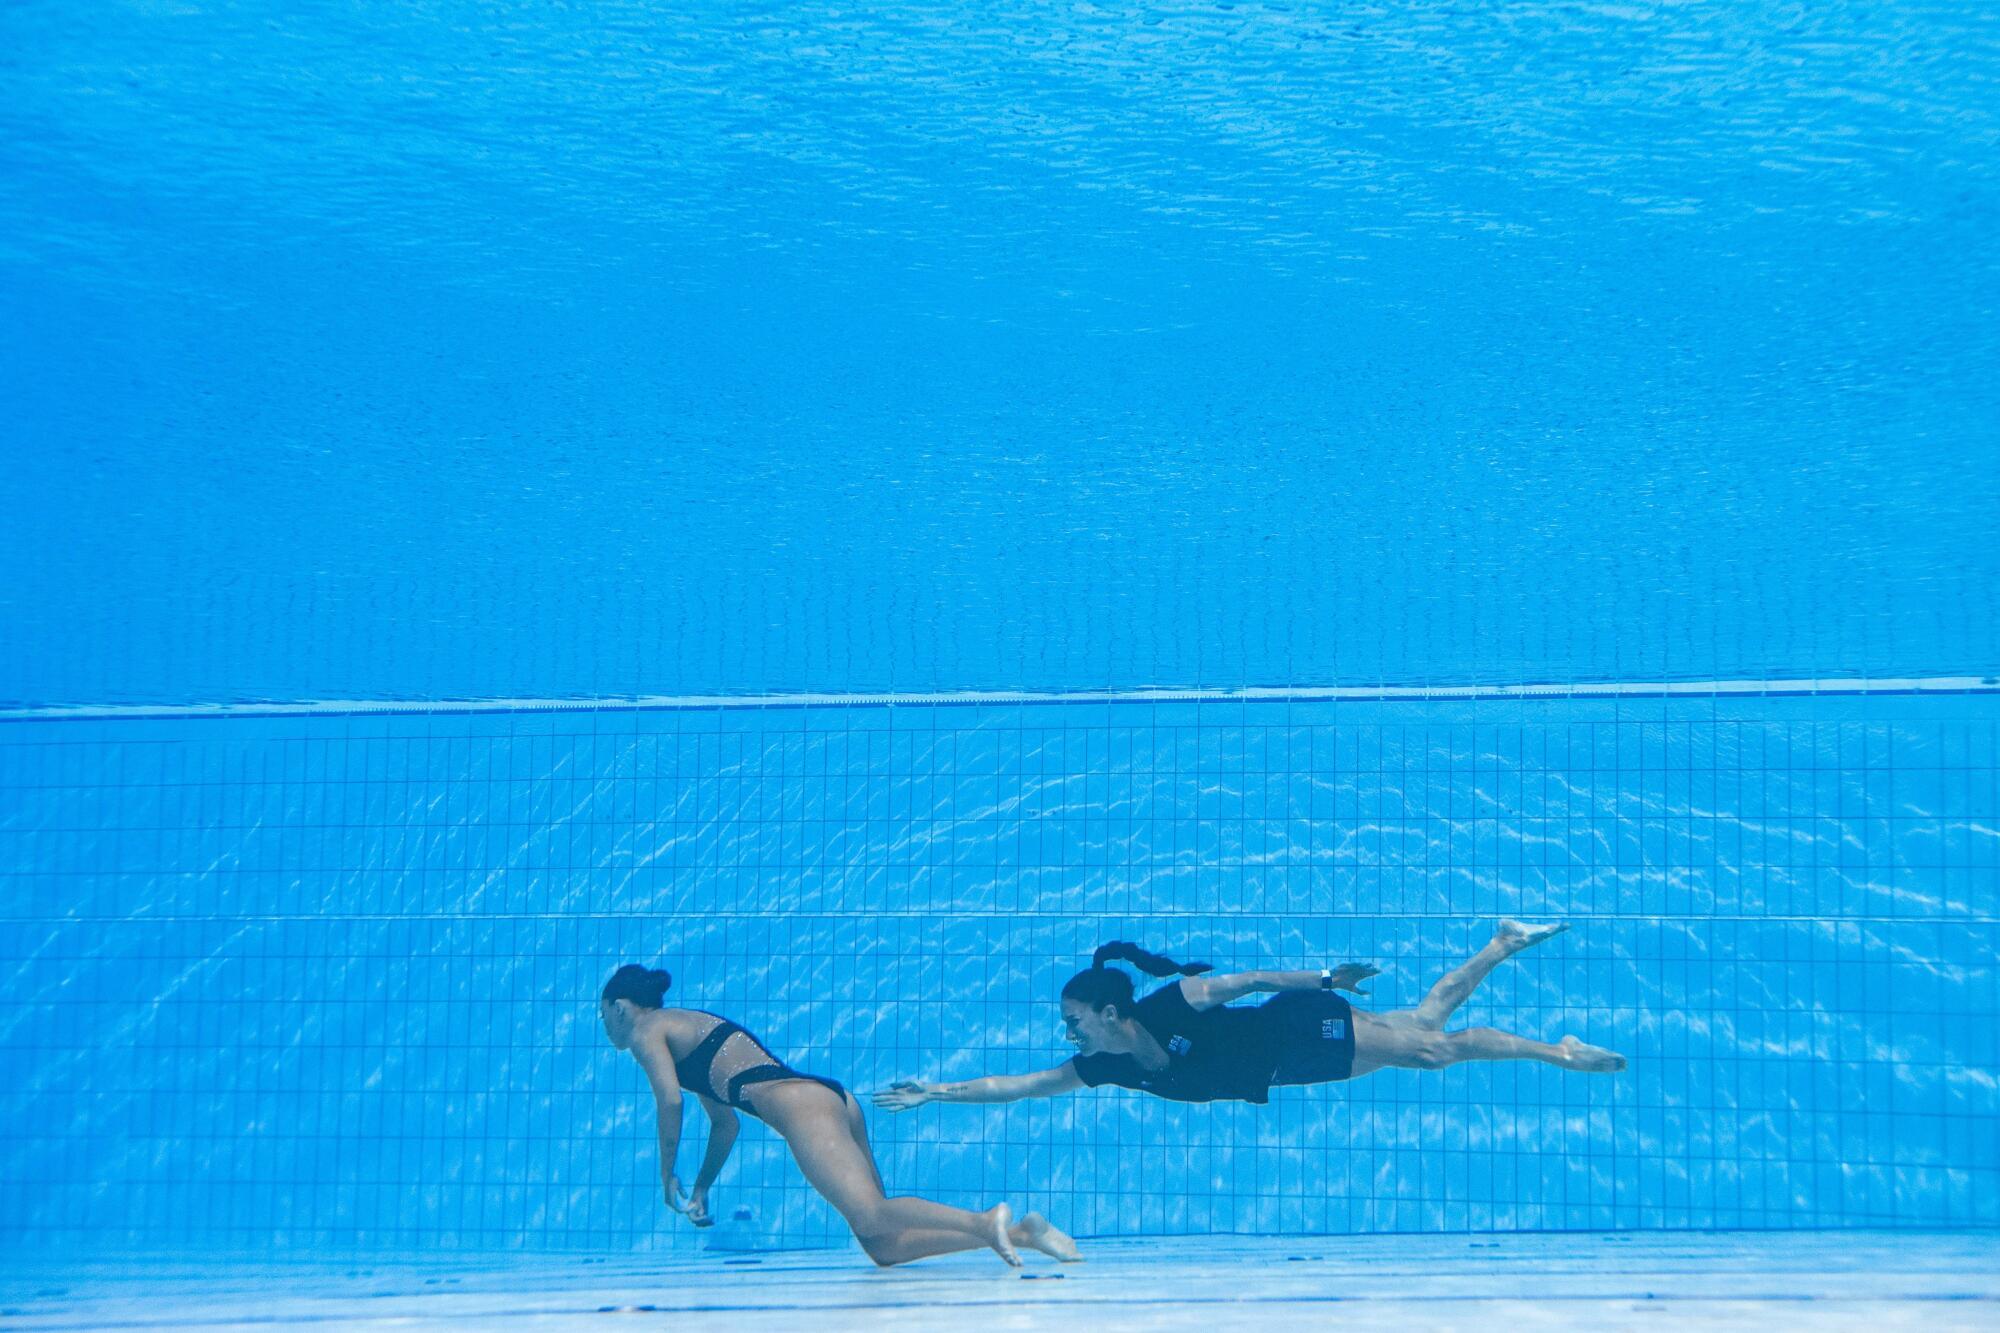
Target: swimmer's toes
{"points": [[1044, 1236], [1589, 1059], [1519, 935]]}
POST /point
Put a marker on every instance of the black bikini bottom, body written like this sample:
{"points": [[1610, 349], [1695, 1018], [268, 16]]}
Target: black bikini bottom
{"points": [[771, 1073]]}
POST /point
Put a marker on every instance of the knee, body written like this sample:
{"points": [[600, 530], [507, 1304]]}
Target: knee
{"points": [[870, 1226], [878, 1249]]}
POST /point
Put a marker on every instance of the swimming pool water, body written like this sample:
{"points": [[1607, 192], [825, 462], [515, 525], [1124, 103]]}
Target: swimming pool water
{"points": [[720, 358], [448, 350]]}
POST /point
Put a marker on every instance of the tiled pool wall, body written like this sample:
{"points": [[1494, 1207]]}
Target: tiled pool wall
{"points": [[330, 980]]}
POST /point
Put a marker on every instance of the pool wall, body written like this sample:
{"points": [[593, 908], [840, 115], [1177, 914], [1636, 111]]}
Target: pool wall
{"points": [[329, 980]]}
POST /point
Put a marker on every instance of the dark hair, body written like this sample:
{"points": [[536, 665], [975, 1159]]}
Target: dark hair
{"points": [[1099, 985], [643, 986]]}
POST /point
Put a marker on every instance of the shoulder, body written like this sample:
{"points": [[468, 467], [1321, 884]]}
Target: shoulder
{"points": [[1168, 1001], [654, 1035], [685, 1025], [655, 1055], [670, 1020]]}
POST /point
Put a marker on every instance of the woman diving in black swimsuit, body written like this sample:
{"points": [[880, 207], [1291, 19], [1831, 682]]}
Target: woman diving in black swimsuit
{"points": [[1184, 1043], [690, 1050]]}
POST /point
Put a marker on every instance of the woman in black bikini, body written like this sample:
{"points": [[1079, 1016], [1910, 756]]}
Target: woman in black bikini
{"points": [[1182, 1042], [730, 1071]]}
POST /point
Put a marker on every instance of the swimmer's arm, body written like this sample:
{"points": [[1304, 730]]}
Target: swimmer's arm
{"points": [[993, 1088], [1208, 992], [659, 1067], [722, 1127]]}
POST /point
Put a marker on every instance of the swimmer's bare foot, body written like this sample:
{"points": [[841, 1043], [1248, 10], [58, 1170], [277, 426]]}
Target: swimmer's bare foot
{"points": [[1035, 1232], [1591, 1059], [999, 1219], [1518, 937]]}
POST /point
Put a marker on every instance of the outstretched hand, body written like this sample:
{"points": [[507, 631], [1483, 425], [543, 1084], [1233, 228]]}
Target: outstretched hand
{"points": [[901, 1096], [1348, 976]]}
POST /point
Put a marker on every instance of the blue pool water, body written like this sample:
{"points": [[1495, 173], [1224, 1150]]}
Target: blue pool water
{"points": [[452, 350], [681, 367]]}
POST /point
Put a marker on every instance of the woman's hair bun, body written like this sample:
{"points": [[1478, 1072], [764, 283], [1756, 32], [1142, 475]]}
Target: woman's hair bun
{"points": [[642, 985]]}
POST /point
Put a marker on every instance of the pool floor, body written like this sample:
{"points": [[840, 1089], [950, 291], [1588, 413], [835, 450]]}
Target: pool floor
{"points": [[1780, 1280]]}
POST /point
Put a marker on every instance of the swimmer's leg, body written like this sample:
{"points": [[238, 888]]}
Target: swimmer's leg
{"points": [[902, 1247], [893, 1231], [1569, 1053], [859, 1128], [1033, 1231], [1385, 1045], [1509, 938]]}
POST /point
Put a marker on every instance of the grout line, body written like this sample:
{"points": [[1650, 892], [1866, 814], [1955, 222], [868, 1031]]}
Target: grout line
{"points": [[1328, 694]]}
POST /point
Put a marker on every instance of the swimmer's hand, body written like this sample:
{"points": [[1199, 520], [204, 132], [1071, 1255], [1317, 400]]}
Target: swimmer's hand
{"points": [[902, 1096], [693, 1206], [1348, 976]]}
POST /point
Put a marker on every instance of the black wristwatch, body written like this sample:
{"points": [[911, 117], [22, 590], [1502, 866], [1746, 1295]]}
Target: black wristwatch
{"points": [[1326, 978]]}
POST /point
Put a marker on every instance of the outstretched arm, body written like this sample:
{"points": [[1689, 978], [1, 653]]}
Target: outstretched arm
{"points": [[1208, 992], [993, 1088]]}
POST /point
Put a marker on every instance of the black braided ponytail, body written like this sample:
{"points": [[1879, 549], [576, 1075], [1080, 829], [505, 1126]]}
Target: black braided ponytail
{"points": [[1152, 964], [1100, 984]]}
